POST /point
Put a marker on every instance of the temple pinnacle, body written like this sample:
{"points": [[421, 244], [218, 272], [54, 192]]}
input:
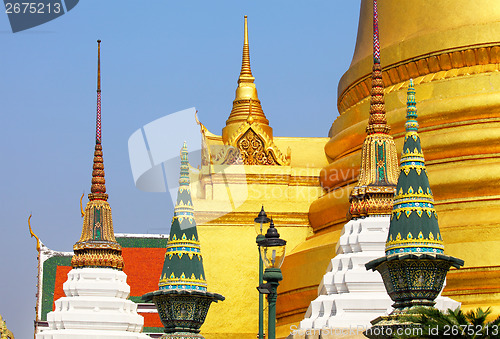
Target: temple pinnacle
{"points": [[97, 246], [246, 98], [414, 224], [377, 122], [98, 187], [98, 119], [374, 190], [246, 71]]}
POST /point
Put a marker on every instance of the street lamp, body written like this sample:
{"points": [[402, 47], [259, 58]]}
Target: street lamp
{"points": [[261, 226], [272, 252]]}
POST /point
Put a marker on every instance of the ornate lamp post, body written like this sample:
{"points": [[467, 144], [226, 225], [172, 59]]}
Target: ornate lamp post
{"points": [[261, 226], [272, 251]]}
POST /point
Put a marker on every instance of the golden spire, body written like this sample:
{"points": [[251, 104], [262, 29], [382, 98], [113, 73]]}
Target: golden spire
{"points": [[246, 71], [97, 246], [246, 95], [375, 188], [377, 123]]}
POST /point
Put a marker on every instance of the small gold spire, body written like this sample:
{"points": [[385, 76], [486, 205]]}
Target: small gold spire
{"points": [[246, 71], [373, 193], [98, 187], [246, 95], [377, 123]]}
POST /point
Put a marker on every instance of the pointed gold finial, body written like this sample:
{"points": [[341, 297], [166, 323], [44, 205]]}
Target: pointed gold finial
{"points": [[246, 71], [81, 205], [34, 235]]}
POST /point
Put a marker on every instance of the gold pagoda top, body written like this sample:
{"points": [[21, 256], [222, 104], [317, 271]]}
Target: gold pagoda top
{"points": [[246, 104], [247, 127], [97, 246]]}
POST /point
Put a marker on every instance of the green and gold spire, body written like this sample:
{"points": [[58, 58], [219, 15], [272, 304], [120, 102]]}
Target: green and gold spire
{"points": [[97, 246], [183, 266], [414, 224], [372, 194]]}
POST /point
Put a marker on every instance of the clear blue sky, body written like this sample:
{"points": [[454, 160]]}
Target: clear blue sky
{"points": [[158, 57]]}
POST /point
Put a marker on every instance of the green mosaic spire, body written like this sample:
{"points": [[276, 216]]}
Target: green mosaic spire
{"points": [[414, 225], [183, 266]]}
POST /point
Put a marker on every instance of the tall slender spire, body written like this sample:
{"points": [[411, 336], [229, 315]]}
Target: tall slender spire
{"points": [[373, 193], [98, 118], [377, 122], [376, 41], [246, 71], [97, 246], [414, 224], [246, 95], [98, 182]]}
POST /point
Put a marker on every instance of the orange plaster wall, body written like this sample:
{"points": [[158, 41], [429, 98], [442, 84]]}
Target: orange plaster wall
{"points": [[151, 320], [143, 267], [61, 277]]}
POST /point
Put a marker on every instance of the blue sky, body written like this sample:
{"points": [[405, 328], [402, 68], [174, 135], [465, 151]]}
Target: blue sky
{"points": [[158, 57]]}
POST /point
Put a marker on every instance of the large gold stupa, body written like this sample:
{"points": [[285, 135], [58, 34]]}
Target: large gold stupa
{"points": [[451, 48]]}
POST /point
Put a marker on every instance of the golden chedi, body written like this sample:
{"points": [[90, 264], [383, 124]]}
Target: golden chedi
{"points": [[452, 51]]}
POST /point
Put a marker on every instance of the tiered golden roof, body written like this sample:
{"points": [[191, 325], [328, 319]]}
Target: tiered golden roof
{"points": [[97, 246]]}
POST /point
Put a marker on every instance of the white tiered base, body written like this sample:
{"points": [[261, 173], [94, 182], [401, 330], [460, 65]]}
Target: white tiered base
{"points": [[95, 306], [349, 295]]}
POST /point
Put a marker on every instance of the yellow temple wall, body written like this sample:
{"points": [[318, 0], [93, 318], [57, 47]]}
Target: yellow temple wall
{"points": [[226, 229]]}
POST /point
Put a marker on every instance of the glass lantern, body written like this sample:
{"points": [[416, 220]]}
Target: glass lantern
{"points": [[272, 248], [261, 222]]}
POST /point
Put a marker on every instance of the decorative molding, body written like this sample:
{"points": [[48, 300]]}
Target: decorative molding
{"points": [[453, 63], [256, 147]]}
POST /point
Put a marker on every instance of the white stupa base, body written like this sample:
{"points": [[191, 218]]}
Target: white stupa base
{"points": [[349, 296], [95, 306]]}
